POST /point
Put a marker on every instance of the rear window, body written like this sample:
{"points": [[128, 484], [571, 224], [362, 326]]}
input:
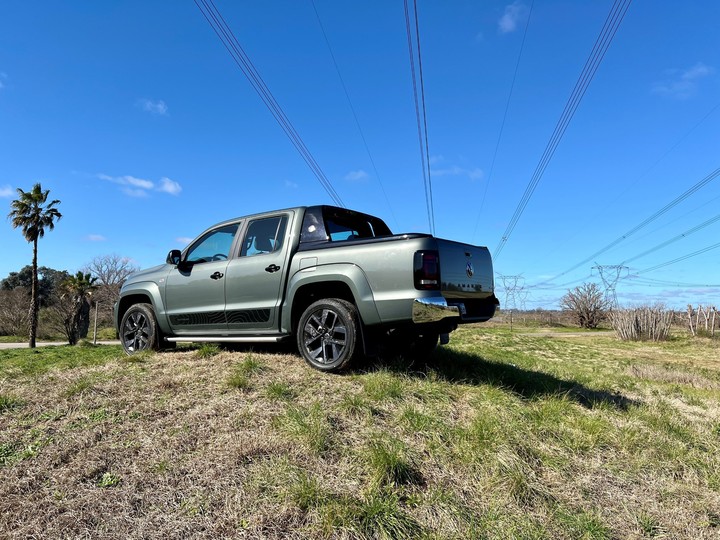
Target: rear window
{"points": [[339, 225]]}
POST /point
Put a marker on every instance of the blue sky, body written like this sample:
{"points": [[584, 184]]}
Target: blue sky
{"points": [[134, 115]]}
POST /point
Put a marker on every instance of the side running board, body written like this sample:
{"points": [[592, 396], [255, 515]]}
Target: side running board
{"points": [[226, 339]]}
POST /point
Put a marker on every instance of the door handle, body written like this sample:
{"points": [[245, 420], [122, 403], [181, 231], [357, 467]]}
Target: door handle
{"points": [[217, 275], [272, 268]]}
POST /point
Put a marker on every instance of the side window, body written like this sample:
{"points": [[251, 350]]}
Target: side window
{"points": [[214, 246], [348, 229], [342, 234], [264, 236]]}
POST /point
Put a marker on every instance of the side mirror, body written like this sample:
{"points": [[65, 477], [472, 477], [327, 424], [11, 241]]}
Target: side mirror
{"points": [[174, 257]]}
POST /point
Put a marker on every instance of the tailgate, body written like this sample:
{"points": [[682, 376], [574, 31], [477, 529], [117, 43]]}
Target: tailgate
{"points": [[467, 279]]}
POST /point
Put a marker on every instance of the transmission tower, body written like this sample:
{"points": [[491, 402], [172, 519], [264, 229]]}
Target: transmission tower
{"points": [[515, 292], [610, 275]]}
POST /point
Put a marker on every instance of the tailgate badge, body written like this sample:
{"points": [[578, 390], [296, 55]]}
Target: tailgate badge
{"points": [[469, 270]]}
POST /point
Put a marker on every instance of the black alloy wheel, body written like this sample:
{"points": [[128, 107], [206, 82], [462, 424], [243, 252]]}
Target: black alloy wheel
{"points": [[327, 334], [138, 330]]}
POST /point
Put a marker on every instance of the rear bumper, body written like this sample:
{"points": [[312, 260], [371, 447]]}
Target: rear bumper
{"points": [[432, 310], [475, 309]]}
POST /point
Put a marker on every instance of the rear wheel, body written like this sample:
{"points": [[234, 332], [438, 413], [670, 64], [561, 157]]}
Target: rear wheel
{"points": [[139, 329], [327, 334]]}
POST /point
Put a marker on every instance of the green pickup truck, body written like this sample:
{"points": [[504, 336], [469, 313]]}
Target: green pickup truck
{"points": [[336, 281]]}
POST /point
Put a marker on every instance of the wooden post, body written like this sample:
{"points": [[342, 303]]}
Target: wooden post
{"points": [[706, 315], [97, 306], [690, 318]]}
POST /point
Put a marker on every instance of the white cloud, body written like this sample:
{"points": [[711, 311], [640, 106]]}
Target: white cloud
{"points": [[158, 107], [169, 186], [683, 84], [472, 174], [95, 238], [137, 182], [128, 181], [6, 192], [185, 240], [291, 185], [3, 76], [140, 187], [511, 17], [697, 71], [434, 160], [356, 176]]}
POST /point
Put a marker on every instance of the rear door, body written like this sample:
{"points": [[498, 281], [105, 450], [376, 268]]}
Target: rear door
{"points": [[254, 280]]}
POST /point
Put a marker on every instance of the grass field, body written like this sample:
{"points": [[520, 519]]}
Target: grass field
{"points": [[501, 436]]}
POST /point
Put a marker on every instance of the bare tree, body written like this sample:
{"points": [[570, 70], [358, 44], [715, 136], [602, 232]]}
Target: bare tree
{"points": [[111, 271], [14, 315], [643, 323], [587, 304]]}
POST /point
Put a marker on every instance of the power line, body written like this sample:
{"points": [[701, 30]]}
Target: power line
{"points": [[421, 118], [602, 43], [227, 37], [684, 257], [702, 183], [653, 232], [504, 118], [605, 207], [352, 109], [664, 283], [546, 285], [675, 239]]}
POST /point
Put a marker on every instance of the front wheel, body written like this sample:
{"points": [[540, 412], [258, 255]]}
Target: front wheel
{"points": [[327, 334], [139, 329]]}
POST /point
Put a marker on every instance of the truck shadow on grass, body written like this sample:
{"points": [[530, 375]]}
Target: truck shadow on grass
{"points": [[464, 368]]}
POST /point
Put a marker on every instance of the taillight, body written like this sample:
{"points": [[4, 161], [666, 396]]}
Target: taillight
{"points": [[427, 270]]}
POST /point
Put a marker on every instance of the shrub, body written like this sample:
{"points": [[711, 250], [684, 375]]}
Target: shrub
{"points": [[645, 323], [587, 305]]}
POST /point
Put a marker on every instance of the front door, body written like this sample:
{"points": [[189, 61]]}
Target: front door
{"points": [[195, 290]]}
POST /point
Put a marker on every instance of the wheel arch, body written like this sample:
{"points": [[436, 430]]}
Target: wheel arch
{"points": [[142, 293], [344, 281], [311, 292]]}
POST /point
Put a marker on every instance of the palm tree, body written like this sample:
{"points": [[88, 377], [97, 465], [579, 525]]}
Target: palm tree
{"points": [[77, 289], [32, 213]]}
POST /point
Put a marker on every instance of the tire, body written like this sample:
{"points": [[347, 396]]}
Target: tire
{"points": [[139, 329], [327, 334]]}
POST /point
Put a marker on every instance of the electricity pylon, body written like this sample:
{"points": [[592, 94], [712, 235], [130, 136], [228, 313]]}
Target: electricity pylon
{"points": [[610, 275]]}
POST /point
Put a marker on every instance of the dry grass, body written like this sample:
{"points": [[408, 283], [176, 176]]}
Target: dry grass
{"points": [[503, 436]]}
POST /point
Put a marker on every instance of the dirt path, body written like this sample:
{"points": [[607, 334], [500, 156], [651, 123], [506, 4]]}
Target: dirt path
{"points": [[4, 346], [550, 333]]}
